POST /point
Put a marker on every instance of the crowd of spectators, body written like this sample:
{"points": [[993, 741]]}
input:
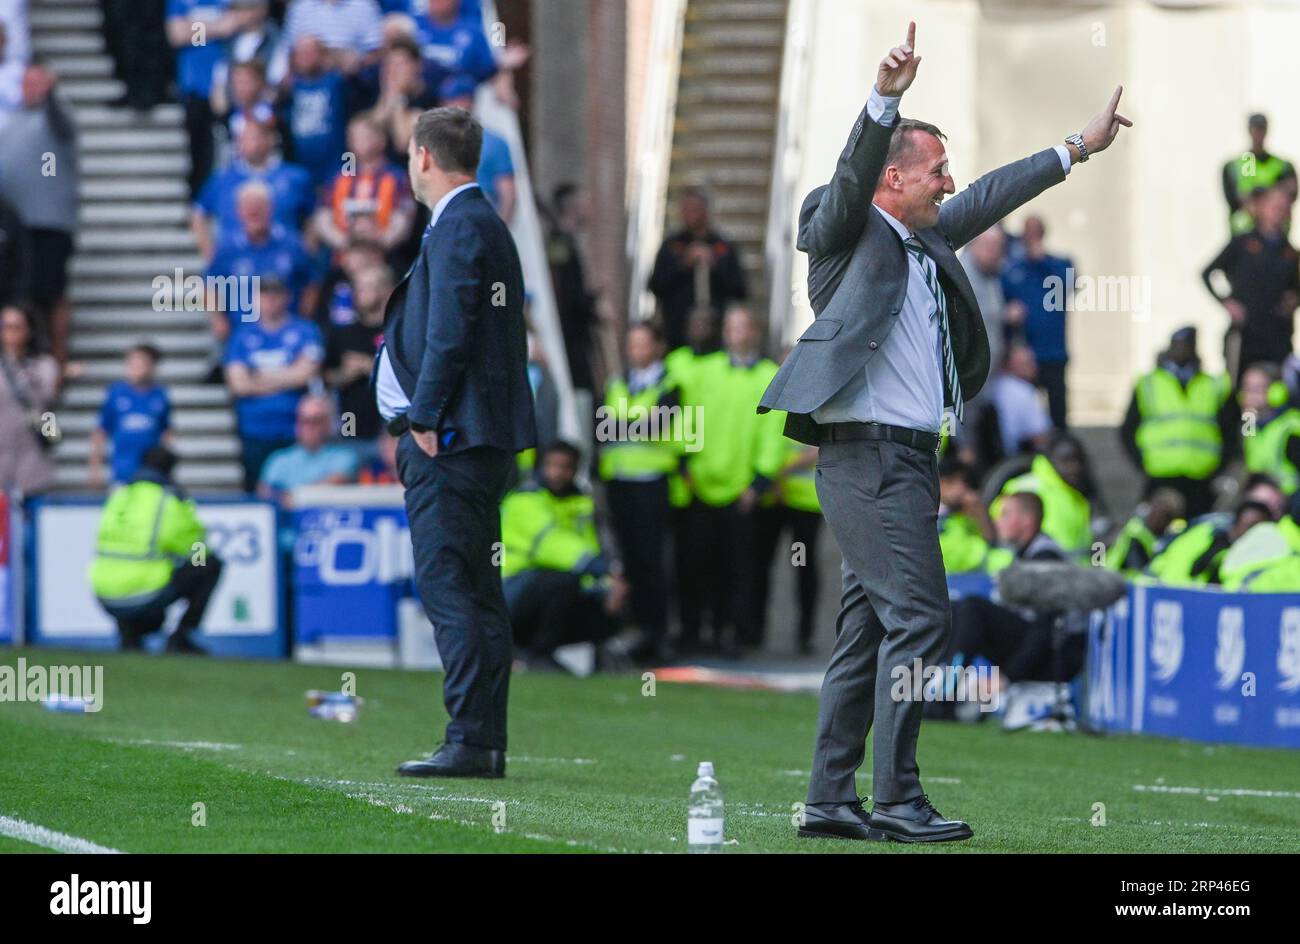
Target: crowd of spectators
{"points": [[298, 117]]}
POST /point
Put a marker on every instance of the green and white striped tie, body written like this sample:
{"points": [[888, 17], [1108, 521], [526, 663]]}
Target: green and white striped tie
{"points": [[951, 382]]}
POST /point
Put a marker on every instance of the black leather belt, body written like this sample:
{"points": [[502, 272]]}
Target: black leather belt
{"points": [[843, 432], [398, 425]]}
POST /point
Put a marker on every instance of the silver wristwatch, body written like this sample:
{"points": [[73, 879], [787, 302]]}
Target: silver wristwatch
{"points": [[1077, 140]]}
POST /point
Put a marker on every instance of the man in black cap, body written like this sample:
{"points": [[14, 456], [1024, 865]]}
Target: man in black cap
{"points": [[1181, 424]]}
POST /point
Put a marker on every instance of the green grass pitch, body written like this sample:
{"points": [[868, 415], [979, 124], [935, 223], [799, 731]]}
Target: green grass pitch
{"points": [[594, 765]]}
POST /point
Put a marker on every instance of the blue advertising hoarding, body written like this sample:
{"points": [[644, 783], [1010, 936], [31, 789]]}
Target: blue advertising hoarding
{"points": [[1199, 664]]}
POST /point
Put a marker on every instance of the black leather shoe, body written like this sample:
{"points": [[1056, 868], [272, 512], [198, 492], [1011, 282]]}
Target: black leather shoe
{"points": [[916, 820], [458, 760], [184, 645], [840, 821]]}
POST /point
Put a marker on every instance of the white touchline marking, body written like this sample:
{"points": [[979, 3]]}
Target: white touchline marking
{"points": [[1216, 792], [49, 839], [182, 745]]}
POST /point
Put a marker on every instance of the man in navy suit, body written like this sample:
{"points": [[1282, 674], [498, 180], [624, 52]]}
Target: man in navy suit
{"points": [[452, 383]]}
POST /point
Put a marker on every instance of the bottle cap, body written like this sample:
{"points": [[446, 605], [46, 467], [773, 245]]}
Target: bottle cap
{"points": [[706, 769]]}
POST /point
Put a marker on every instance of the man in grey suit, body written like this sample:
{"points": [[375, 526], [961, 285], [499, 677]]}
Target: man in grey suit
{"points": [[898, 337]]}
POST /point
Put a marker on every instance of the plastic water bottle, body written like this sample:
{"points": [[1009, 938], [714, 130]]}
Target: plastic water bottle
{"points": [[704, 828]]}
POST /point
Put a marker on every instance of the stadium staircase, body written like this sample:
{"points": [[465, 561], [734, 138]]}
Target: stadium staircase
{"points": [[724, 129], [134, 207]]}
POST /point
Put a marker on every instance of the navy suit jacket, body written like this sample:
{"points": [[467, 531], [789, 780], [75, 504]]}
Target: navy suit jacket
{"points": [[454, 331]]}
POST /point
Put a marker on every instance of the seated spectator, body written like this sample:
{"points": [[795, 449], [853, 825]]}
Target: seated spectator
{"points": [[370, 200], [149, 536], [349, 29], [29, 388], [293, 196], [1019, 642], [269, 365], [135, 417], [1023, 423], [1267, 558], [1193, 558], [556, 577], [38, 155], [965, 531], [337, 305], [496, 169], [350, 352], [1059, 478], [381, 468], [260, 247], [317, 108], [1136, 543], [1273, 443], [312, 459]]}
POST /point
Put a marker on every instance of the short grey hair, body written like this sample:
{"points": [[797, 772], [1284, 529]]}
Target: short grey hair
{"points": [[902, 145]]}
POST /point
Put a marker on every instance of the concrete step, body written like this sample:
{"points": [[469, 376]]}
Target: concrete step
{"points": [[139, 165], [208, 422], [727, 36], [702, 148], [732, 92], [704, 120], [736, 10], [64, 19], [137, 319], [113, 344], [204, 446], [720, 176], [706, 63], [92, 90], [196, 476], [137, 291], [98, 265], [162, 140], [54, 43], [84, 394], [106, 189], [168, 115], [114, 239], [81, 66], [158, 213], [171, 370]]}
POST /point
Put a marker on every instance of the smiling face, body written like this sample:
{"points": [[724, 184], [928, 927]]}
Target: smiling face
{"points": [[915, 180]]}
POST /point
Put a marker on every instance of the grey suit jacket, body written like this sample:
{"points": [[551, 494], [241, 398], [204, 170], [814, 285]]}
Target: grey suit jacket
{"points": [[857, 272]]}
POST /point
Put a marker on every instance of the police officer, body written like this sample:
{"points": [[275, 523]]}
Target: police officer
{"points": [[559, 584], [739, 454], [1060, 479], [1271, 426], [639, 429], [1136, 542], [1180, 427], [150, 553]]}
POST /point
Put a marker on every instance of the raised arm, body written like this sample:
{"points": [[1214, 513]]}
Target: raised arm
{"points": [[1000, 191], [841, 214]]}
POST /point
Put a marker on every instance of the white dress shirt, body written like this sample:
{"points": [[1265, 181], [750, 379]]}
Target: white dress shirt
{"points": [[390, 398], [902, 385]]}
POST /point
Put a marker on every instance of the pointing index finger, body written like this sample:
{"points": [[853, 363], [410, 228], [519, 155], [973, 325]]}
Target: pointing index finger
{"points": [[1114, 99], [911, 36]]}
